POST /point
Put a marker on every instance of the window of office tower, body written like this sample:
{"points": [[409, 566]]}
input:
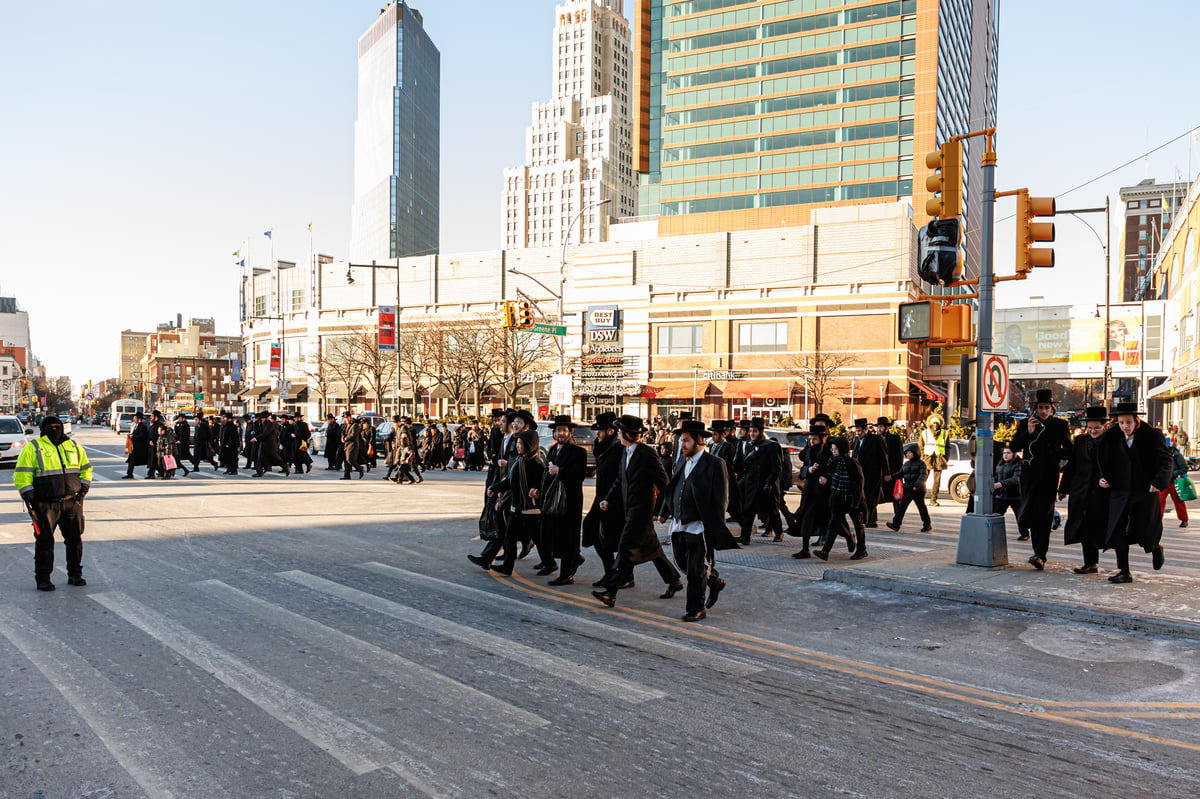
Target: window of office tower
{"points": [[794, 102]]}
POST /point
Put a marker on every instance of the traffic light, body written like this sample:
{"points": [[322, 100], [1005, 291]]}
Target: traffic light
{"points": [[524, 315], [938, 252], [948, 182], [1030, 232], [508, 314]]}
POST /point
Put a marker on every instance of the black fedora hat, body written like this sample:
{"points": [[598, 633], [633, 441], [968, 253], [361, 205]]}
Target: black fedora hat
{"points": [[860, 422], [693, 426], [823, 417], [683, 415], [1043, 395], [744, 424], [818, 429], [630, 424], [526, 417], [1096, 413], [720, 426], [757, 423], [497, 413], [604, 421], [883, 421], [563, 421], [1125, 409]]}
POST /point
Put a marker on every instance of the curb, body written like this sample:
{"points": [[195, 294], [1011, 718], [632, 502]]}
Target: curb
{"points": [[1060, 610]]}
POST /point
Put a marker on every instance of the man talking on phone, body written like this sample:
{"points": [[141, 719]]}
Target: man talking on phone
{"points": [[1044, 440]]}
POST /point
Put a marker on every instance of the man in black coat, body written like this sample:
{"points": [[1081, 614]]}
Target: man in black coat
{"points": [[333, 443], [269, 454], [869, 450], [602, 528], [204, 440], [721, 447], [183, 440], [694, 503], [566, 464], [1135, 464], [894, 447], [640, 479], [760, 483], [1045, 440], [230, 440], [1087, 508], [139, 434]]}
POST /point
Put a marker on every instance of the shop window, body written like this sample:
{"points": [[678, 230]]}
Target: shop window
{"points": [[680, 340], [762, 337]]}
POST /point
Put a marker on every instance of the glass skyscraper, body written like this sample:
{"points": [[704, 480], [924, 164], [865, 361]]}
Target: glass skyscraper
{"points": [[751, 113], [396, 139]]}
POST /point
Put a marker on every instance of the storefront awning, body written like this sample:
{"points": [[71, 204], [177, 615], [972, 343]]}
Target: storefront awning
{"points": [[676, 389], [867, 391], [754, 389], [257, 390], [1162, 391], [932, 393]]}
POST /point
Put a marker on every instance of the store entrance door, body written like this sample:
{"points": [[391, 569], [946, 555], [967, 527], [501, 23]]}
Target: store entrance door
{"points": [[770, 410]]}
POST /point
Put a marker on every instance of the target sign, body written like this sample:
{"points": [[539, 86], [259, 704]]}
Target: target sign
{"points": [[993, 380]]}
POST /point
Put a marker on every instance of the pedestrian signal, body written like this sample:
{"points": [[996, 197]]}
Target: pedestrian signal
{"points": [[508, 314], [938, 252]]}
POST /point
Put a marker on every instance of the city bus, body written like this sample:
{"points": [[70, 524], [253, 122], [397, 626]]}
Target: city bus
{"points": [[121, 414]]}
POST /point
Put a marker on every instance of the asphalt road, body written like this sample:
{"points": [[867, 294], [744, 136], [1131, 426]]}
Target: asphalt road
{"points": [[309, 637]]}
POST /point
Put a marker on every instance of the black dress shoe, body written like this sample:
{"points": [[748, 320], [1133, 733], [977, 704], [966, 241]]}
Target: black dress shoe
{"points": [[671, 591], [1158, 557], [859, 555], [599, 583], [714, 591], [1022, 538], [528, 545], [697, 616], [79, 581], [1087, 568], [1121, 577], [629, 584], [503, 569], [823, 554], [549, 568], [127, 477], [605, 597], [1037, 563], [45, 585], [564, 579], [479, 561], [802, 554], [895, 528], [870, 525]]}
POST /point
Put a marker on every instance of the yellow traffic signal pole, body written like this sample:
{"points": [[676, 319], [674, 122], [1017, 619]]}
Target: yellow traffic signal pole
{"points": [[981, 534]]}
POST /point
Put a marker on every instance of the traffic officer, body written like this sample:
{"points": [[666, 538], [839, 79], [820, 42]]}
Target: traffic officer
{"points": [[53, 476]]}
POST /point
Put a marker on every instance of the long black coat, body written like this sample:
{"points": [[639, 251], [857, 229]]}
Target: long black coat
{"points": [[572, 468], [1134, 511], [333, 440], [203, 437], [705, 489], [637, 487], [183, 440], [760, 484], [813, 513], [895, 454], [725, 451], [268, 445], [140, 435], [1043, 450], [1087, 506], [603, 526], [872, 456]]}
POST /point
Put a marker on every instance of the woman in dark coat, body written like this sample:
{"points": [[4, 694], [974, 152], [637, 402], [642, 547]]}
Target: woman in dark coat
{"points": [[1135, 465], [912, 475], [1006, 488], [1087, 508], [843, 478]]}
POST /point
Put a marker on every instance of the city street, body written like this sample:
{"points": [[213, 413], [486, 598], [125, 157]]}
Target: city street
{"points": [[309, 637]]}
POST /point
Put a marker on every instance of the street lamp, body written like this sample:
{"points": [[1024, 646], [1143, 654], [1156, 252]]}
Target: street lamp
{"points": [[562, 267], [350, 282], [695, 381]]}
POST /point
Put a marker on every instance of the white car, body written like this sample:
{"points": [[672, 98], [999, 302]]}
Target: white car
{"points": [[13, 435]]}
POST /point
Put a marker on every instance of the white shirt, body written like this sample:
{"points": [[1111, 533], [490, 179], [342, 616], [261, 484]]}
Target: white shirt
{"points": [[629, 452], [696, 527]]}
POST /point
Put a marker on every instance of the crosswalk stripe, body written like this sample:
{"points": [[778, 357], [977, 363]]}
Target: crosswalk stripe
{"points": [[349, 744], [647, 643], [413, 676], [163, 771], [586, 676]]}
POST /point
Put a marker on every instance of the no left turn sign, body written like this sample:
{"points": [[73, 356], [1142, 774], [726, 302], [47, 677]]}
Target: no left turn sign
{"points": [[993, 378]]}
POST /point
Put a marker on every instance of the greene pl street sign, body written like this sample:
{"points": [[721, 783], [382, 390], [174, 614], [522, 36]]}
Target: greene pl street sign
{"points": [[549, 330]]}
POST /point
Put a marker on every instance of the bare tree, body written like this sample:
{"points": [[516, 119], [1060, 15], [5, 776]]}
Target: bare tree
{"points": [[519, 354], [470, 358], [320, 375], [817, 370], [342, 359], [377, 368], [413, 359]]}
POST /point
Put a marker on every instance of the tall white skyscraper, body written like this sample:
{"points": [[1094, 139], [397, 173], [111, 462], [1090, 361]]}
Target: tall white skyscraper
{"points": [[396, 139], [578, 150]]}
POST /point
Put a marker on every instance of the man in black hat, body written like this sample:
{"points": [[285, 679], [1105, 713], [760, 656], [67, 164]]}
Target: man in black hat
{"points": [[813, 513], [872, 458], [640, 479], [1044, 440], [139, 453], [493, 520], [602, 528], [1136, 464], [760, 484], [894, 447], [722, 448], [694, 503], [566, 464], [1087, 508]]}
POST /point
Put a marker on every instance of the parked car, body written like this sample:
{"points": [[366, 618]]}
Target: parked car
{"points": [[316, 441], [13, 435], [958, 468], [125, 423], [584, 436], [793, 441]]}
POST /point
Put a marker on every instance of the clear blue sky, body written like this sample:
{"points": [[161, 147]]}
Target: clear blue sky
{"points": [[142, 142]]}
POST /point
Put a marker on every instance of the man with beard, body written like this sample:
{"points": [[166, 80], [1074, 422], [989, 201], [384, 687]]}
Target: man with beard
{"points": [[139, 454], [760, 483], [183, 441], [566, 464], [204, 441], [303, 437], [1136, 467], [517, 423], [869, 451], [694, 503], [640, 479], [1087, 508], [267, 435], [230, 439], [722, 448], [1045, 440], [601, 528]]}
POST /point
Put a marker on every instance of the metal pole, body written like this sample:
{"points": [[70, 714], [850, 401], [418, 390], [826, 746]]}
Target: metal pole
{"points": [[1106, 397], [695, 376], [852, 399], [981, 535]]}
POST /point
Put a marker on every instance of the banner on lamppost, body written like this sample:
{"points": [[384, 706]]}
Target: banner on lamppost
{"points": [[235, 370], [387, 328], [276, 357]]}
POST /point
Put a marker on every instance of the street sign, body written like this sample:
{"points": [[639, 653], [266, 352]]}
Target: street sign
{"points": [[198, 396], [89, 395], [994, 380], [561, 393], [549, 330]]}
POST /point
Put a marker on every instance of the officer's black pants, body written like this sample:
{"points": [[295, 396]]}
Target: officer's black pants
{"points": [[67, 516]]}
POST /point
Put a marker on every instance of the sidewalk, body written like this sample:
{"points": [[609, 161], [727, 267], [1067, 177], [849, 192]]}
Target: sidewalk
{"points": [[1153, 603]]}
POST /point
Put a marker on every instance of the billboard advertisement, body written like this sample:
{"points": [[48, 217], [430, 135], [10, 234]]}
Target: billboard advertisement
{"points": [[1070, 340]]}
